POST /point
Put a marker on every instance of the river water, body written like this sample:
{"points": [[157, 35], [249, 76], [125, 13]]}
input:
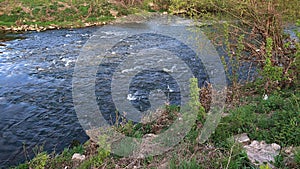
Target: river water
{"points": [[36, 73], [35, 93]]}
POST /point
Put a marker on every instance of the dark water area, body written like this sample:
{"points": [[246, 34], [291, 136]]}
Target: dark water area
{"points": [[8, 37], [146, 81], [36, 93]]}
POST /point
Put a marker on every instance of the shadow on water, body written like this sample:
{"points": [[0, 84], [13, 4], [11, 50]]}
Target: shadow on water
{"points": [[8, 37]]}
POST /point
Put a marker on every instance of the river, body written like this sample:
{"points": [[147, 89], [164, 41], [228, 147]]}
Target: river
{"points": [[36, 72], [35, 93]]}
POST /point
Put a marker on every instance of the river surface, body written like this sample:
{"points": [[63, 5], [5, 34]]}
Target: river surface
{"points": [[36, 72], [36, 93]]}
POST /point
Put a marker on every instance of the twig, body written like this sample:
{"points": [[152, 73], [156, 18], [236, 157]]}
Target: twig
{"points": [[229, 159]]}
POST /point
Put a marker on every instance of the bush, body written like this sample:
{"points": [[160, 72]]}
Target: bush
{"points": [[39, 161]]}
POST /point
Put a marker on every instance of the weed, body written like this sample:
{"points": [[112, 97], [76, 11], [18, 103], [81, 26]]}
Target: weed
{"points": [[65, 158], [271, 73], [276, 119], [21, 166], [233, 63], [39, 161], [265, 167], [103, 151], [190, 164], [297, 157], [279, 161], [237, 157], [194, 103]]}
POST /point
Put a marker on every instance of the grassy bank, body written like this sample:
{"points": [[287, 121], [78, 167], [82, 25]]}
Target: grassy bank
{"points": [[26, 15], [22, 15]]}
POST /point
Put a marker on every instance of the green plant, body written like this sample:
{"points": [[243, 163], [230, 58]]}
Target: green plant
{"points": [[172, 162], [65, 158], [271, 73], [127, 128], [188, 164], [194, 107], [103, 151], [194, 102], [276, 120], [297, 156], [265, 167], [237, 156], [156, 5], [293, 72], [234, 52], [195, 8], [279, 161], [39, 161], [21, 166], [177, 163]]}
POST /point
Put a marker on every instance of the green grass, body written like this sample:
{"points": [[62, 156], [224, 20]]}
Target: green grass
{"points": [[44, 160], [297, 156], [61, 13], [8, 20], [65, 157], [186, 164], [276, 119]]}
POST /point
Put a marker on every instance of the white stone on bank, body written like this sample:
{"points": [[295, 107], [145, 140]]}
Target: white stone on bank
{"points": [[78, 157]]}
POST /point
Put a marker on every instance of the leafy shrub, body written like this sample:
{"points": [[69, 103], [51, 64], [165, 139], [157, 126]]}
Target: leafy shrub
{"points": [[39, 161], [195, 8]]}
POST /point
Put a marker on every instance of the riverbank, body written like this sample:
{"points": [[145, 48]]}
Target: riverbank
{"points": [[255, 132], [36, 27], [41, 15]]}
